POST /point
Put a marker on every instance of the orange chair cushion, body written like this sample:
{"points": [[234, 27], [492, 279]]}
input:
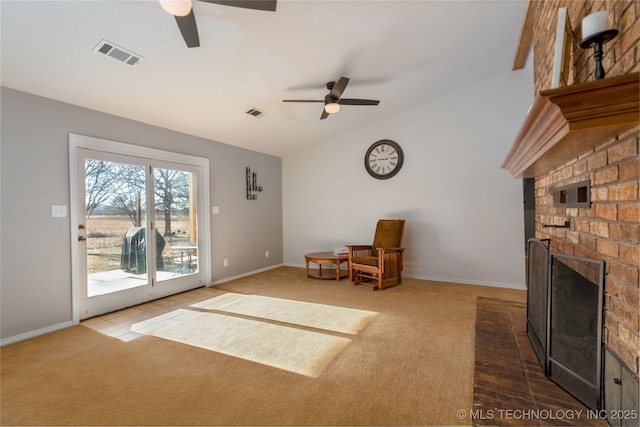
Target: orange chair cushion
{"points": [[366, 260], [388, 235]]}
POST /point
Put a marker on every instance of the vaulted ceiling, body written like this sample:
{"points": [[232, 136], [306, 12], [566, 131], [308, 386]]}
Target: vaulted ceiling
{"points": [[403, 53]]}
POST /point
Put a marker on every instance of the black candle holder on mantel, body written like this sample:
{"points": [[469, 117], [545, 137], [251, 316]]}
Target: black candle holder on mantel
{"points": [[595, 35], [252, 184]]}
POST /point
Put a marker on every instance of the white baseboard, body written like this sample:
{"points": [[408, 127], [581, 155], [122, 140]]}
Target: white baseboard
{"points": [[448, 280], [35, 333], [468, 282], [249, 273]]}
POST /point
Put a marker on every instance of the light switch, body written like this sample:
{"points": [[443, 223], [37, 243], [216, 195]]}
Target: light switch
{"points": [[58, 211], [215, 210]]}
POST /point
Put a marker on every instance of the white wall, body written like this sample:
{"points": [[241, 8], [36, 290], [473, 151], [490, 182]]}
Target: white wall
{"points": [[458, 202]]}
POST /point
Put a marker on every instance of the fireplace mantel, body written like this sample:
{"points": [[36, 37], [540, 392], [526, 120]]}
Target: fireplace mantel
{"points": [[570, 121]]}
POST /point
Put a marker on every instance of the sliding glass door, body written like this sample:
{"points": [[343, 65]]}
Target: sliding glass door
{"points": [[176, 221], [137, 229], [113, 235]]}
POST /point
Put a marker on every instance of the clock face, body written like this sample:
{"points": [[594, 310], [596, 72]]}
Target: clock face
{"points": [[383, 159]]}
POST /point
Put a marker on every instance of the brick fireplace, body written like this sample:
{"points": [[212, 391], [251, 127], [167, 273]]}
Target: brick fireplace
{"points": [[584, 137]]}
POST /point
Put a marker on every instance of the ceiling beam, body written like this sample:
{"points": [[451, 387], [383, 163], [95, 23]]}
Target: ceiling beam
{"points": [[526, 38]]}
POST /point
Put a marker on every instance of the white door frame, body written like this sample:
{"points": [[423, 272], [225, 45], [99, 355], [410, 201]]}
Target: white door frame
{"points": [[82, 141]]}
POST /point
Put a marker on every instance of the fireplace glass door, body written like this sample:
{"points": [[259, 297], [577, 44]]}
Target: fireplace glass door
{"points": [[574, 351], [564, 319]]}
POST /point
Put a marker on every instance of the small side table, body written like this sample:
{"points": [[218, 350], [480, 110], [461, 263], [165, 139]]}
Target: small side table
{"points": [[320, 258]]}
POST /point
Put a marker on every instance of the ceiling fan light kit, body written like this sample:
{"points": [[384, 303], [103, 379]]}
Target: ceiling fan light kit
{"points": [[332, 107], [176, 7], [186, 20], [333, 100]]}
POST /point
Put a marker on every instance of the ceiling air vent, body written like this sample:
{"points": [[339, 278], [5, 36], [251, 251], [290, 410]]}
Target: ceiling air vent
{"points": [[255, 112], [118, 53]]}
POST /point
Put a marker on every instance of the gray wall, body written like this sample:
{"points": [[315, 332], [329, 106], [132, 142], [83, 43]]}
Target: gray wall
{"points": [[35, 264]]}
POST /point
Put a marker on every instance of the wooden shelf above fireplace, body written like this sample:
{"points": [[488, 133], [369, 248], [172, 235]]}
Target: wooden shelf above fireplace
{"points": [[570, 121]]}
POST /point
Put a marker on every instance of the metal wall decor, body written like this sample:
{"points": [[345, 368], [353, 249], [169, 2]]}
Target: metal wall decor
{"points": [[252, 184]]}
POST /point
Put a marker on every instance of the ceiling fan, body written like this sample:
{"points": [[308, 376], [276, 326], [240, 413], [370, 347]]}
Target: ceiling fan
{"points": [[186, 20], [332, 101]]}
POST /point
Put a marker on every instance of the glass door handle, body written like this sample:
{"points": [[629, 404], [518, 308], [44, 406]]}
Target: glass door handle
{"points": [[81, 238]]}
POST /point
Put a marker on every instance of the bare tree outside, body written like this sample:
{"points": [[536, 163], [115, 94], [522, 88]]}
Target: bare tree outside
{"points": [[120, 188], [172, 195], [128, 197], [116, 201], [98, 182]]}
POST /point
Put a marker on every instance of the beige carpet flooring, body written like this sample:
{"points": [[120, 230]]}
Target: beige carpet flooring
{"points": [[409, 362]]}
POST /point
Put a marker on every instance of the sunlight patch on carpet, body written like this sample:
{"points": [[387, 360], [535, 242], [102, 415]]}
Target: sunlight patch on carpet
{"points": [[319, 316], [296, 350]]}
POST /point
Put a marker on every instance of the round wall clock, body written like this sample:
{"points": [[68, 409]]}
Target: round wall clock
{"points": [[383, 159]]}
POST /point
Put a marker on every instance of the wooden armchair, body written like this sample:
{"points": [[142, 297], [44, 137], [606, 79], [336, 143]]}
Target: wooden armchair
{"points": [[379, 265]]}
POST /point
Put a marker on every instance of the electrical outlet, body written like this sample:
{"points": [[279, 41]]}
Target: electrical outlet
{"points": [[266, 254], [464, 263], [225, 262]]}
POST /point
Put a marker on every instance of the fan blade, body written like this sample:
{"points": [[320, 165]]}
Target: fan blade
{"points": [[302, 100], [265, 5], [324, 115], [348, 101], [189, 29], [338, 88]]}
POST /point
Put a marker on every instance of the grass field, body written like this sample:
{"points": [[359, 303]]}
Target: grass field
{"points": [[104, 240]]}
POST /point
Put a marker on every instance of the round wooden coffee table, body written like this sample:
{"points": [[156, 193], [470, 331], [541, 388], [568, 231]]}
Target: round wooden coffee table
{"points": [[320, 258]]}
